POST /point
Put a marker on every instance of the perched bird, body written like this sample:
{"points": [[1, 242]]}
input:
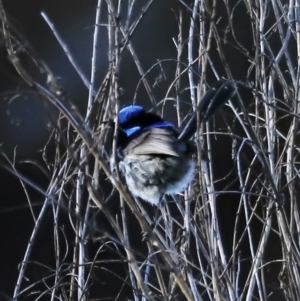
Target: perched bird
{"points": [[155, 157]]}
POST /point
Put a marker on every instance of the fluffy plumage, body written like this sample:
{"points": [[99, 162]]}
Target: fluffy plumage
{"points": [[153, 156]]}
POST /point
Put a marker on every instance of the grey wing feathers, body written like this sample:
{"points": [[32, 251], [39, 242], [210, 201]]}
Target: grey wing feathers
{"points": [[156, 141]]}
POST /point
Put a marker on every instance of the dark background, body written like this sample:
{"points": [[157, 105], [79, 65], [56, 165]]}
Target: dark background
{"points": [[25, 122]]}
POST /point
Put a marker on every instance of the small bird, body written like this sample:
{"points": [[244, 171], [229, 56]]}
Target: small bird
{"points": [[153, 155]]}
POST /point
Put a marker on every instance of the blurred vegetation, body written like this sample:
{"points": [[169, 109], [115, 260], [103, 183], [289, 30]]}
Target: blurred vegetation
{"points": [[70, 230]]}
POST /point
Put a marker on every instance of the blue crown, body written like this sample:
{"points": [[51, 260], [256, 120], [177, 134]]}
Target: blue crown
{"points": [[128, 112], [131, 111]]}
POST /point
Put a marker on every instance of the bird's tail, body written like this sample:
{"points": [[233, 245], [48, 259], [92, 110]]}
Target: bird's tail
{"points": [[213, 99]]}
